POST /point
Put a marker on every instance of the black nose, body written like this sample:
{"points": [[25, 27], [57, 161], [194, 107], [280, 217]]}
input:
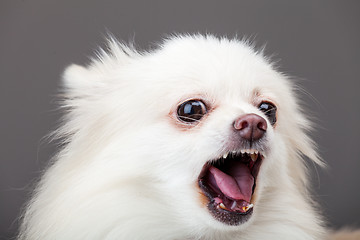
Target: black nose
{"points": [[251, 127]]}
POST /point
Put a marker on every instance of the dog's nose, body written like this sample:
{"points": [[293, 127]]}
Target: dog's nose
{"points": [[251, 127]]}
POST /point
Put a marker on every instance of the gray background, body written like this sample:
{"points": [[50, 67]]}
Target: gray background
{"points": [[317, 41]]}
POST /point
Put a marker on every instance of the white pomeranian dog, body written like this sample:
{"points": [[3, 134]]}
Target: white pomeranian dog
{"points": [[200, 139]]}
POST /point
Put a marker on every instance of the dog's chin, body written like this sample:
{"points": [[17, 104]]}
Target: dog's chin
{"points": [[228, 185]]}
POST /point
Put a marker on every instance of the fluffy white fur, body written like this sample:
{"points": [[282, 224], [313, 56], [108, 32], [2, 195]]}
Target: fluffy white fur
{"points": [[129, 169]]}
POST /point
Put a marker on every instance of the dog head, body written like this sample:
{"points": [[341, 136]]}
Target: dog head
{"points": [[207, 124]]}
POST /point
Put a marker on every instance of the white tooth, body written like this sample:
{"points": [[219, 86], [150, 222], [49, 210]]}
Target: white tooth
{"points": [[246, 208], [256, 152], [234, 152], [254, 156], [225, 155], [233, 205], [242, 151], [221, 205], [249, 206]]}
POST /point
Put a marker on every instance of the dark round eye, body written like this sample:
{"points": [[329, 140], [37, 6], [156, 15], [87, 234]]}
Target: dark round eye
{"points": [[191, 111], [270, 111]]}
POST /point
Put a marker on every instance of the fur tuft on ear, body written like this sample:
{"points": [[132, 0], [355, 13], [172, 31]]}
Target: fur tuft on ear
{"points": [[81, 82], [75, 76]]}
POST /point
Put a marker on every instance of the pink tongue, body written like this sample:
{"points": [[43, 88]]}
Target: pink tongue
{"points": [[237, 184]]}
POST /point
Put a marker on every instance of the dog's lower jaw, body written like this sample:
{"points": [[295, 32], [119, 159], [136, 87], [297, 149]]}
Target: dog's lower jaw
{"points": [[275, 217]]}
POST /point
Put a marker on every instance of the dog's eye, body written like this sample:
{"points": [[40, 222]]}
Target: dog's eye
{"points": [[270, 111], [191, 111]]}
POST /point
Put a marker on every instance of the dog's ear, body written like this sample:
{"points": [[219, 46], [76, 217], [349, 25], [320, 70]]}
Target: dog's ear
{"points": [[106, 62], [85, 89]]}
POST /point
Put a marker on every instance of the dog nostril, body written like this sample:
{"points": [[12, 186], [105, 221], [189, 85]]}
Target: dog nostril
{"points": [[262, 125], [238, 125]]}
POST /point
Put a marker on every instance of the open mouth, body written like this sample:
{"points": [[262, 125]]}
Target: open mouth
{"points": [[229, 183]]}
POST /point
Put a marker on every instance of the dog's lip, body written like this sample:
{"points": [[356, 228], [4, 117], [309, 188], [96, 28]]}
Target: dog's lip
{"points": [[244, 209]]}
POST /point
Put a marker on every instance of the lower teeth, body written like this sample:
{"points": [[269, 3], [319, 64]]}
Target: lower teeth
{"points": [[234, 204]]}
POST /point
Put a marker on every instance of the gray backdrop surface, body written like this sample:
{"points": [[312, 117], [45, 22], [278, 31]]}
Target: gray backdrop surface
{"points": [[317, 41]]}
